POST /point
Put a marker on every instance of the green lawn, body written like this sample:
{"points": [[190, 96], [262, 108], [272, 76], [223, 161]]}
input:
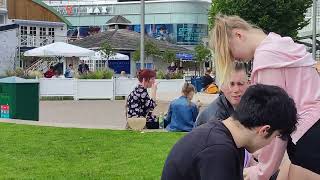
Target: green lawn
{"points": [[32, 152]]}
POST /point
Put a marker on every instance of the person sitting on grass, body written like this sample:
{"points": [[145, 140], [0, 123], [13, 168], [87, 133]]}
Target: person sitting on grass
{"points": [[208, 83], [182, 112], [215, 150], [139, 103]]}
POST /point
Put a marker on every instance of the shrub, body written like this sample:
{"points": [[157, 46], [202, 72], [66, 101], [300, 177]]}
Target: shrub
{"points": [[19, 72], [163, 75], [100, 74]]}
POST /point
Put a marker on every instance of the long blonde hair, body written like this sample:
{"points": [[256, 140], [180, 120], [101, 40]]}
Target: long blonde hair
{"points": [[219, 41]]}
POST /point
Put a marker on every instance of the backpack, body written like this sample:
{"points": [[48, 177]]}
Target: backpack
{"points": [[212, 89]]}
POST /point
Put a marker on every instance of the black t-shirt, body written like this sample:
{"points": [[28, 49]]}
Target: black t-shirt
{"points": [[206, 80], [208, 152]]}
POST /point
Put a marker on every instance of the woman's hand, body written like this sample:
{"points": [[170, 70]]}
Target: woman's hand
{"points": [[199, 104], [154, 88]]}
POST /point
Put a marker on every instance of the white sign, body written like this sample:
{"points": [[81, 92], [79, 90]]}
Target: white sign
{"points": [[70, 10]]}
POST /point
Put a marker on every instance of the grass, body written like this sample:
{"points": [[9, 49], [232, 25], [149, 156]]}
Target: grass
{"points": [[32, 152]]}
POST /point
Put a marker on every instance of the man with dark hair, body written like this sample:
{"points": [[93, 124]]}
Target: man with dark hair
{"points": [[207, 79], [83, 68], [222, 107], [215, 150]]}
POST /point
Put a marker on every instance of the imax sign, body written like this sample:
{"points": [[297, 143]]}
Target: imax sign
{"points": [[71, 10]]}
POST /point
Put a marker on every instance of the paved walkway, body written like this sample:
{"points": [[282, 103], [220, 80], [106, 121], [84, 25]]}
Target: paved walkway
{"points": [[96, 114]]}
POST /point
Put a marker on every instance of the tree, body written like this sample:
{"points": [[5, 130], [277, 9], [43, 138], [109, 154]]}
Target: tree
{"points": [[168, 56], [201, 53], [279, 16], [107, 50], [150, 49]]}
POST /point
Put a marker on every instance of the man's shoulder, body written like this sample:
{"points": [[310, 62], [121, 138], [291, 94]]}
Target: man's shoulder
{"points": [[218, 100], [216, 133], [214, 106]]}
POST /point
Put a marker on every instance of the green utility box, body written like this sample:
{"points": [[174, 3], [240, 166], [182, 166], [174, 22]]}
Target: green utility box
{"points": [[19, 98]]}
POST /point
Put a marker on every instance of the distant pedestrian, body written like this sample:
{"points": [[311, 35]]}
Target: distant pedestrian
{"points": [[83, 68], [69, 72]]}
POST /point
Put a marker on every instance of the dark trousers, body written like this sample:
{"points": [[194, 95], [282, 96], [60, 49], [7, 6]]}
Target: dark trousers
{"points": [[306, 152], [152, 125]]}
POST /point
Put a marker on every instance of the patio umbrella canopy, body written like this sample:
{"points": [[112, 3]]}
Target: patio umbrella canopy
{"points": [[98, 56], [59, 49]]}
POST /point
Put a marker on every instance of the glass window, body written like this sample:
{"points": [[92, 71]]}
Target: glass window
{"points": [[100, 64], [33, 31], [23, 35], [51, 35], [2, 19], [43, 36], [191, 34], [24, 30], [32, 38]]}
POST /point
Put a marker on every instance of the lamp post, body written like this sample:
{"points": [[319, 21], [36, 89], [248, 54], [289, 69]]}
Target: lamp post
{"points": [[142, 36], [314, 28]]}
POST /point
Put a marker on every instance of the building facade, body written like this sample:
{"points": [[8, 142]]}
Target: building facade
{"points": [[182, 22], [3, 12], [28, 24], [38, 23]]}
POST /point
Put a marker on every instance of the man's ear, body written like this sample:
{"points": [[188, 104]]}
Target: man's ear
{"points": [[263, 130]]}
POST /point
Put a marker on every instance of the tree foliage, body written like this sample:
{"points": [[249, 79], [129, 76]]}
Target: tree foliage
{"points": [[279, 16], [202, 53], [150, 49], [168, 56], [107, 50]]}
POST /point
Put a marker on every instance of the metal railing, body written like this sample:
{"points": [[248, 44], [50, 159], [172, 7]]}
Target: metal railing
{"points": [[40, 65], [29, 40]]}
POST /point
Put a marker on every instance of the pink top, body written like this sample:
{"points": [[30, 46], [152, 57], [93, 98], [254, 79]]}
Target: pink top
{"points": [[281, 62]]}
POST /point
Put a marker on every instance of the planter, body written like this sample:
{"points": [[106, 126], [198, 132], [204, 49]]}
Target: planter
{"points": [[123, 87], [94, 89], [170, 85], [57, 87]]}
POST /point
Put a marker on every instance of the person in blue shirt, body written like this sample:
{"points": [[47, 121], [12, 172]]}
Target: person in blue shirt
{"points": [[182, 113], [69, 72]]}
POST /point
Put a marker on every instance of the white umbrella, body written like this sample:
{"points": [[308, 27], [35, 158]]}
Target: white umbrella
{"points": [[98, 56], [59, 49], [119, 56]]}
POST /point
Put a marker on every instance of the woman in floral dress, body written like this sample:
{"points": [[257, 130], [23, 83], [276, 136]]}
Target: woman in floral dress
{"points": [[140, 103]]}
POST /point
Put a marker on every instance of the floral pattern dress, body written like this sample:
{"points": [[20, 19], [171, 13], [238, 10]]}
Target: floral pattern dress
{"points": [[139, 104]]}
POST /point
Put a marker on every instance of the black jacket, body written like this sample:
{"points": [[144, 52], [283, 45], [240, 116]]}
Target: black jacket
{"points": [[218, 109], [206, 80]]}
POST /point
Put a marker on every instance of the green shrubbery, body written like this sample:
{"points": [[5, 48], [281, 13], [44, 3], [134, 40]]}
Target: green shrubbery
{"points": [[19, 72], [100, 74], [164, 75]]}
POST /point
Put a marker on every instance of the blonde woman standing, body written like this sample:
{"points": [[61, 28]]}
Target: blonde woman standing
{"points": [[282, 62]]}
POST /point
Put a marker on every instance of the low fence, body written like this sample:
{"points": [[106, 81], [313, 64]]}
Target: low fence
{"points": [[100, 89]]}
